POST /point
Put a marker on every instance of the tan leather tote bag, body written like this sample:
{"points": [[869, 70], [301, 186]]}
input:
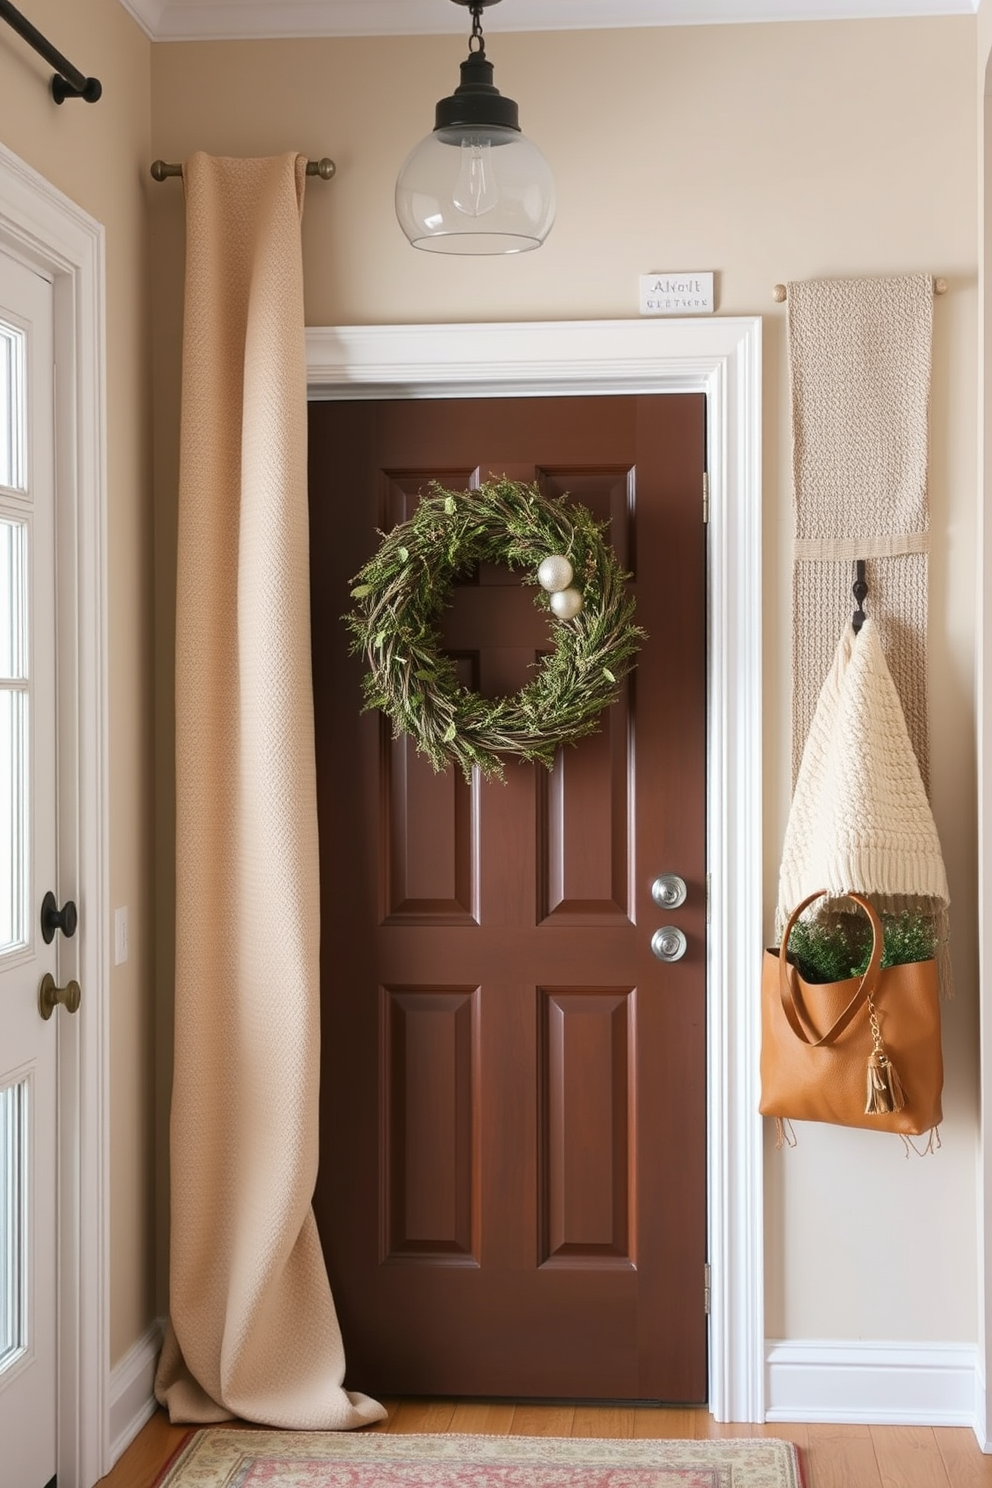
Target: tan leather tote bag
{"points": [[863, 1052]]}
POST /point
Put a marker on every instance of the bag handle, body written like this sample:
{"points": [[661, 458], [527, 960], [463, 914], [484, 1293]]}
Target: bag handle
{"points": [[792, 1002]]}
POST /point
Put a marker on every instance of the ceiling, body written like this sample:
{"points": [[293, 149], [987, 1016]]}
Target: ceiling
{"points": [[205, 20]]}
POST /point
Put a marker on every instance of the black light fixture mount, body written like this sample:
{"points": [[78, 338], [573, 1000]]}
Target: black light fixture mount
{"points": [[476, 184], [476, 101]]}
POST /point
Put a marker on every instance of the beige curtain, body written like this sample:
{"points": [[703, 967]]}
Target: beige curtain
{"points": [[253, 1331]]}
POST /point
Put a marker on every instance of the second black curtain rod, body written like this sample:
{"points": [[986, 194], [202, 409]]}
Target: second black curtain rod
{"points": [[68, 81], [324, 168]]}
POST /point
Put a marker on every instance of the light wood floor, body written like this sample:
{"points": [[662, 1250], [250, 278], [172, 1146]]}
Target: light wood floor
{"points": [[833, 1456]]}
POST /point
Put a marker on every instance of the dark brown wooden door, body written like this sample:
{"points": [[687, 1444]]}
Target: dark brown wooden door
{"points": [[511, 1193]]}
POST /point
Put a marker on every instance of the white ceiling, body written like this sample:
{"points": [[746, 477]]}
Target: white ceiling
{"points": [[204, 20]]}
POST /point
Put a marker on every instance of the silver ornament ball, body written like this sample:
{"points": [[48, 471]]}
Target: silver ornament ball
{"points": [[566, 603], [555, 573]]}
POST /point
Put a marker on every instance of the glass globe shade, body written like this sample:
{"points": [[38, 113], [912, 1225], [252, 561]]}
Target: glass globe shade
{"points": [[476, 190]]}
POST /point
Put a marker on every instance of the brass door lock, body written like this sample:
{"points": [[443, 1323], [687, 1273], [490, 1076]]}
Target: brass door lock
{"points": [[50, 996]]}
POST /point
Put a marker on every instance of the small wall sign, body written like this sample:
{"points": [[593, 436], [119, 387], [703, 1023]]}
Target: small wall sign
{"points": [[677, 294]]}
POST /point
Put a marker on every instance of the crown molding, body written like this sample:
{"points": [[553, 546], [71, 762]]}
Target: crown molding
{"points": [[220, 20]]}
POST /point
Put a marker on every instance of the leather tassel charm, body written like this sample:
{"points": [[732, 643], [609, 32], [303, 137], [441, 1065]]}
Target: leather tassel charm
{"points": [[884, 1087], [884, 1092]]}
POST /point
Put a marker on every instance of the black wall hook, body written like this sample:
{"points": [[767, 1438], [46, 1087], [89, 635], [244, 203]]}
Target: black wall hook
{"points": [[860, 591]]}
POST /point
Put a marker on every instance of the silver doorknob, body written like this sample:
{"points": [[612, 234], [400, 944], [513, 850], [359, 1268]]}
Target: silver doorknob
{"points": [[668, 943], [50, 996], [668, 891]]}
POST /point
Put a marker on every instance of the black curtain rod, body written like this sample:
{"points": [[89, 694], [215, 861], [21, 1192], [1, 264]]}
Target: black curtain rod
{"points": [[162, 169], [68, 81]]}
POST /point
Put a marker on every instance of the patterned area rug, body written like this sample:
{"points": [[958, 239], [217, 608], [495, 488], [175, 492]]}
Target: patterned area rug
{"points": [[239, 1458]]}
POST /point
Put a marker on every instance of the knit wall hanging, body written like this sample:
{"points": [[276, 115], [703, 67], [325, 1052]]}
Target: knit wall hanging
{"points": [[860, 820], [859, 358]]}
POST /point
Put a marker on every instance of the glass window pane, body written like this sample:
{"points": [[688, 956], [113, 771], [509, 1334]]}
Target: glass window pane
{"points": [[13, 409], [13, 812], [13, 610], [13, 736], [13, 1221]]}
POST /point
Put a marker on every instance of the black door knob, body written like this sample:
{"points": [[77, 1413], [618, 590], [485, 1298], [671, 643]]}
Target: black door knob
{"points": [[53, 918]]}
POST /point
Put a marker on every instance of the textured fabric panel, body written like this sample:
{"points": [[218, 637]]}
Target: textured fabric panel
{"points": [[859, 361], [852, 548], [253, 1331], [859, 355], [822, 606]]}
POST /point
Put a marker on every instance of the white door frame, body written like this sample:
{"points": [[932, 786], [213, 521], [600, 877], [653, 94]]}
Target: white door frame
{"points": [[720, 357], [44, 228]]}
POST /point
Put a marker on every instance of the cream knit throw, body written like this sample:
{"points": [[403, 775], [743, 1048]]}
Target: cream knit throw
{"points": [[253, 1330], [860, 818], [859, 356]]}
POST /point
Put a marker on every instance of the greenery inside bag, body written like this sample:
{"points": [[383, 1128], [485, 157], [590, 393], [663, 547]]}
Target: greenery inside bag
{"points": [[851, 1025]]}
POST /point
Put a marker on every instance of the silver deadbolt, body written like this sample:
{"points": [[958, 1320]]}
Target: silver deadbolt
{"points": [[668, 891], [668, 943]]}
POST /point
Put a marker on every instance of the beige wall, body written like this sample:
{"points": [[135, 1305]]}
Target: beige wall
{"points": [[96, 155], [765, 153]]}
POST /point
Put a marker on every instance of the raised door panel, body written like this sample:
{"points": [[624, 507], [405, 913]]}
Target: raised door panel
{"points": [[430, 840], [429, 1084], [588, 1172]]}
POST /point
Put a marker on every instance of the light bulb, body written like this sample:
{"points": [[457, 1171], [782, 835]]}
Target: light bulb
{"points": [[476, 189]]}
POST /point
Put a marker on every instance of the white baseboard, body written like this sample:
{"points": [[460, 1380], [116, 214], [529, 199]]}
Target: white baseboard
{"points": [[132, 1389], [881, 1384]]}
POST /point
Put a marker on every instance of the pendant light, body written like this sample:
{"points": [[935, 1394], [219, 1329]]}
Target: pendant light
{"points": [[476, 184]]}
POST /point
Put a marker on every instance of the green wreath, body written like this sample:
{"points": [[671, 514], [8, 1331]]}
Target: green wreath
{"points": [[403, 589]]}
